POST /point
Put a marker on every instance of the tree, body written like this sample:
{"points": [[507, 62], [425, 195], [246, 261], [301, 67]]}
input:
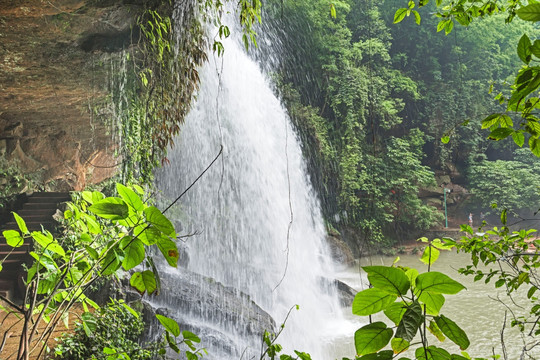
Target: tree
{"points": [[522, 102]]}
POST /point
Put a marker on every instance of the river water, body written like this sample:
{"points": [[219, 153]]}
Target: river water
{"points": [[476, 309]]}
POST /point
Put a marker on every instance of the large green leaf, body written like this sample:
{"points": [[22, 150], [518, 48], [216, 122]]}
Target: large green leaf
{"points": [[112, 261], [412, 274], [169, 324], [21, 223], [431, 353], [147, 234], [519, 138], [524, 49], [434, 329], [395, 312], [535, 48], [400, 15], [410, 322], [439, 283], [399, 345], [130, 197], [133, 252], [389, 279], [530, 12], [48, 242], [433, 301], [430, 255], [144, 281], [372, 338], [500, 133], [157, 219], [169, 250], [381, 355], [110, 208], [453, 331], [13, 238], [371, 301]]}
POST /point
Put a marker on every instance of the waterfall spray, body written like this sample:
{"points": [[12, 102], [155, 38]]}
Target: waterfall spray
{"points": [[260, 230]]}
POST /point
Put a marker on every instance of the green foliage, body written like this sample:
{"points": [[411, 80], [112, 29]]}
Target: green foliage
{"points": [[14, 180], [511, 184], [510, 260], [272, 348], [102, 236], [411, 301], [522, 100], [369, 174], [114, 327]]}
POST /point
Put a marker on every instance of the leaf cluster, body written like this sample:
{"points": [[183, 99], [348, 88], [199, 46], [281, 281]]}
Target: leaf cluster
{"points": [[105, 236], [116, 327], [509, 260], [413, 303]]}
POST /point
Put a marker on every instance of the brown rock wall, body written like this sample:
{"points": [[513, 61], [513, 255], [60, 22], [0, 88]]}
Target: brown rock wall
{"points": [[51, 75]]}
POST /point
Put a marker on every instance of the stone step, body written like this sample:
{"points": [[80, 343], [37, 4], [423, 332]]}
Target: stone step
{"points": [[40, 206], [5, 248], [37, 213], [17, 254], [13, 265], [38, 216], [7, 287], [31, 225], [24, 213], [51, 194]]}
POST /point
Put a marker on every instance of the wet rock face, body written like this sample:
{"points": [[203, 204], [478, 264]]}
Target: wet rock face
{"points": [[53, 66], [192, 300]]}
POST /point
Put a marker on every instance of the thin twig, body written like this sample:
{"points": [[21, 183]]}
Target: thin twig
{"points": [[291, 214]]}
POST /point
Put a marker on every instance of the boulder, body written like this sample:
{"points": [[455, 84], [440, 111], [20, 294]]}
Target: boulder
{"points": [[340, 251], [222, 315]]}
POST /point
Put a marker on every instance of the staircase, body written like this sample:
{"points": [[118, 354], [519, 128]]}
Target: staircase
{"points": [[37, 212]]}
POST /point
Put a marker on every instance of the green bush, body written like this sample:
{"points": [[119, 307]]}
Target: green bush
{"points": [[114, 328]]}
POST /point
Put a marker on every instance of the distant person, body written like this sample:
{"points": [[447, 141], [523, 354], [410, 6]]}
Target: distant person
{"points": [[470, 219]]}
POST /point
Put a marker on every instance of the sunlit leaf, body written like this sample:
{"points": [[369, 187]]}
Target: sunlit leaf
{"points": [[133, 252], [144, 281], [395, 312], [390, 279], [169, 324], [434, 329], [371, 301], [48, 242], [169, 250], [110, 208], [157, 219], [13, 238], [130, 197], [399, 345], [431, 353], [372, 338], [437, 282], [20, 223], [519, 138], [400, 15], [430, 255], [453, 331], [434, 302]]}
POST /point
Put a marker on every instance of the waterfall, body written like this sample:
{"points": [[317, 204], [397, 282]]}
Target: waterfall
{"points": [[256, 220]]}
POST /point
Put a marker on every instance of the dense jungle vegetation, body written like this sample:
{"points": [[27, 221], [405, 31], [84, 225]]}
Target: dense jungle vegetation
{"points": [[384, 108], [373, 99]]}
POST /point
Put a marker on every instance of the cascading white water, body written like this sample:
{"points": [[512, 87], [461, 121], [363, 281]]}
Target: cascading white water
{"points": [[241, 209]]}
